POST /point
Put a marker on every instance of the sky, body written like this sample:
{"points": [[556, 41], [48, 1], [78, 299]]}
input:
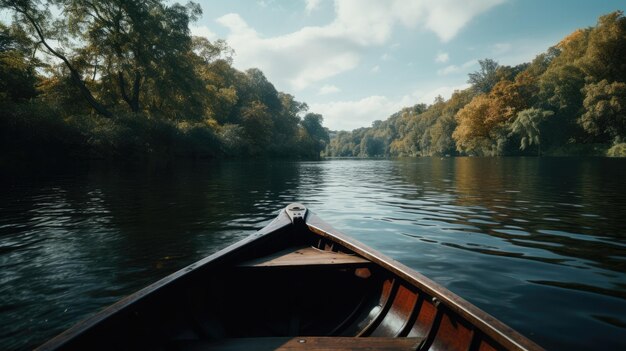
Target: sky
{"points": [[357, 61]]}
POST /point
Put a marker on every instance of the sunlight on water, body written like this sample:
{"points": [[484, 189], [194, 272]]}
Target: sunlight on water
{"points": [[539, 243]]}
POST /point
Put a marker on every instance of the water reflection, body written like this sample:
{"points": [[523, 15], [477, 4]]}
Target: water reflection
{"points": [[539, 243]]}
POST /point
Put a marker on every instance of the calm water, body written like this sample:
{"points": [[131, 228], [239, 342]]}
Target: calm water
{"points": [[539, 243]]}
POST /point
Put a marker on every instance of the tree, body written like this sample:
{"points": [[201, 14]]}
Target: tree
{"points": [[441, 135], [314, 136], [527, 125], [212, 65], [210, 52], [572, 47], [480, 125], [510, 97], [483, 80], [257, 87], [286, 123], [579, 82], [483, 122], [542, 61], [605, 109], [606, 49], [470, 127], [371, 146], [17, 70], [140, 50], [38, 21], [233, 139], [257, 124]]}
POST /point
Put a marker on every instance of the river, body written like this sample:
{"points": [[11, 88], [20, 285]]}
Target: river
{"points": [[540, 243]]}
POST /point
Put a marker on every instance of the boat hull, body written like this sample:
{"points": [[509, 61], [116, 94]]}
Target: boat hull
{"points": [[296, 284]]}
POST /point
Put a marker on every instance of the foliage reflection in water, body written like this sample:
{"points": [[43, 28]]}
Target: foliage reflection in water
{"points": [[538, 243]]}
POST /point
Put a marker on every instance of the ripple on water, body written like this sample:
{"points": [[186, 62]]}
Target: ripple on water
{"points": [[538, 243], [512, 232]]}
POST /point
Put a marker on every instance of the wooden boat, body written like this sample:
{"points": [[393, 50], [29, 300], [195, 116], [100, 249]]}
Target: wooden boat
{"points": [[297, 284]]}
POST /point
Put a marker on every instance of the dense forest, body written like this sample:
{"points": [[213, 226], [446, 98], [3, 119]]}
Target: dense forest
{"points": [[570, 100], [126, 79]]}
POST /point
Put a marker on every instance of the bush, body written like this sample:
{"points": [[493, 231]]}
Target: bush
{"points": [[30, 130], [577, 150], [618, 150], [197, 139]]}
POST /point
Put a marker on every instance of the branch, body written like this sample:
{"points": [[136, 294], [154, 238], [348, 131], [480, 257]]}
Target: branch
{"points": [[74, 73], [122, 85], [136, 86], [95, 70]]}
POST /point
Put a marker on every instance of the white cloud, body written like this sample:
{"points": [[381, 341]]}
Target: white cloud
{"points": [[311, 5], [297, 59], [315, 53], [447, 17], [264, 3], [500, 48], [386, 57], [469, 63], [427, 97], [456, 69], [328, 89], [202, 31], [442, 57], [348, 115], [352, 114], [522, 50], [237, 25], [448, 70], [375, 69]]}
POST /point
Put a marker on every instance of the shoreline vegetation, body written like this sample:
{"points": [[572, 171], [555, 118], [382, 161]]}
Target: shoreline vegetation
{"points": [[569, 101], [127, 81]]}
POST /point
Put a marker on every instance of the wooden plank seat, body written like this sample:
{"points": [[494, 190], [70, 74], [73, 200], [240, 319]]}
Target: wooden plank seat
{"points": [[307, 256], [309, 343]]}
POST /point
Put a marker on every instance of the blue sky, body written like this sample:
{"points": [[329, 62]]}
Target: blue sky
{"points": [[356, 61]]}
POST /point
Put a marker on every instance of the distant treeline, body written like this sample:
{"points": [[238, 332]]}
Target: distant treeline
{"points": [[570, 100], [125, 79]]}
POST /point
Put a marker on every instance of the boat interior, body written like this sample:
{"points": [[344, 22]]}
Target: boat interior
{"points": [[291, 290]]}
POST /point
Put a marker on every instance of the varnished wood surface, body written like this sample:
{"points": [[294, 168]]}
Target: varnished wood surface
{"points": [[306, 256], [262, 294], [308, 343], [489, 326]]}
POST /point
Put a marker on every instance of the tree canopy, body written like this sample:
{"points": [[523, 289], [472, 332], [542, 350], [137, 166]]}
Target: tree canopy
{"points": [[571, 98], [125, 78]]}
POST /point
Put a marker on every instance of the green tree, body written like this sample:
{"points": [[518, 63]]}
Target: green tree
{"points": [[256, 87], [606, 49], [371, 146], [527, 125], [286, 124], [314, 136], [605, 110], [483, 80], [39, 22], [212, 65], [17, 69], [140, 50], [441, 135], [560, 90], [257, 124]]}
